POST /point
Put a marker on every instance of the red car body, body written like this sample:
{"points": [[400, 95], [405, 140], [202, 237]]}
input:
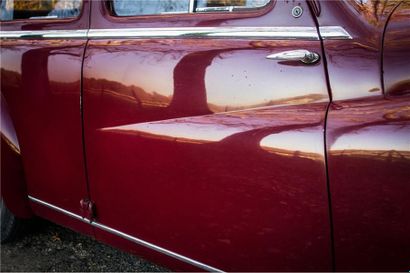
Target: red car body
{"points": [[198, 152]]}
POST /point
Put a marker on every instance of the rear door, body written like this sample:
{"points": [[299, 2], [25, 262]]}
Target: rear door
{"points": [[198, 145], [368, 134], [42, 50]]}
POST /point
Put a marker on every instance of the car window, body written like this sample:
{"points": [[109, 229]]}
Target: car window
{"points": [[147, 7], [39, 9], [227, 5], [150, 7]]}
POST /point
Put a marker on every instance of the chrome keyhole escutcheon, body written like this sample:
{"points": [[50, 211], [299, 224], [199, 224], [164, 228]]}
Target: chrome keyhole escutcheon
{"points": [[297, 11]]}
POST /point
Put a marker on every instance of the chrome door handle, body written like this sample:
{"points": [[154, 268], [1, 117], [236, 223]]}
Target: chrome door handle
{"points": [[302, 55]]}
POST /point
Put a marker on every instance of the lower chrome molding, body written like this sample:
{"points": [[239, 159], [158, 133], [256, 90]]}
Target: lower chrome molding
{"points": [[63, 211], [127, 236]]}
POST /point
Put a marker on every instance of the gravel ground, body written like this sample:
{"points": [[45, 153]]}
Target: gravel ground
{"points": [[48, 247]]}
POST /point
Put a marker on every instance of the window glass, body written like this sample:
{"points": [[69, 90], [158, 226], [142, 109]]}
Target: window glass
{"points": [[39, 9], [146, 7], [231, 3]]}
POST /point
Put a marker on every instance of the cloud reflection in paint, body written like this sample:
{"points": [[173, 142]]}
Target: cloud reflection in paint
{"points": [[305, 141], [267, 128], [377, 138], [177, 130]]}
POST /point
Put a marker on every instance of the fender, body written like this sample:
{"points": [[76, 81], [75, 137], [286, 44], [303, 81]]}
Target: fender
{"points": [[13, 185]]}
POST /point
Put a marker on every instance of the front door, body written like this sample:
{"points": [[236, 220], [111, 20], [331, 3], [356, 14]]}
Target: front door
{"points": [[199, 146], [41, 59]]}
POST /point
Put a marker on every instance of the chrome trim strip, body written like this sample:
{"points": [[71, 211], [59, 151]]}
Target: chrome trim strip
{"points": [[215, 9], [268, 33], [227, 9], [128, 237], [334, 33], [156, 248], [45, 34], [63, 211], [191, 6], [273, 33]]}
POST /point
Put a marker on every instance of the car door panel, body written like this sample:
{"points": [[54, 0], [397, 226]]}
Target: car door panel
{"points": [[368, 136], [199, 146], [41, 83]]}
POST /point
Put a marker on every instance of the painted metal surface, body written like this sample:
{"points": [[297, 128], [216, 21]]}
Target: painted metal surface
{"points": [[354, 65], [369, 162], [206, 147], [8, 132], [396, 53], [210, 150], [130, 238], [368, 136], [41, 84], [13, 186]]}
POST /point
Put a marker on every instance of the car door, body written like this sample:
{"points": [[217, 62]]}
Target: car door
{"points": [[368, 134], [42, 50], [204, 135]]}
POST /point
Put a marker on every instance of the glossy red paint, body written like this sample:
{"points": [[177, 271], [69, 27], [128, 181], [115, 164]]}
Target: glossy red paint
{"points": [[41, 83], [369, 155], [199, 146], [354, 65], [367, 137], [13, 185], [396, 53], [208, 149]]}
